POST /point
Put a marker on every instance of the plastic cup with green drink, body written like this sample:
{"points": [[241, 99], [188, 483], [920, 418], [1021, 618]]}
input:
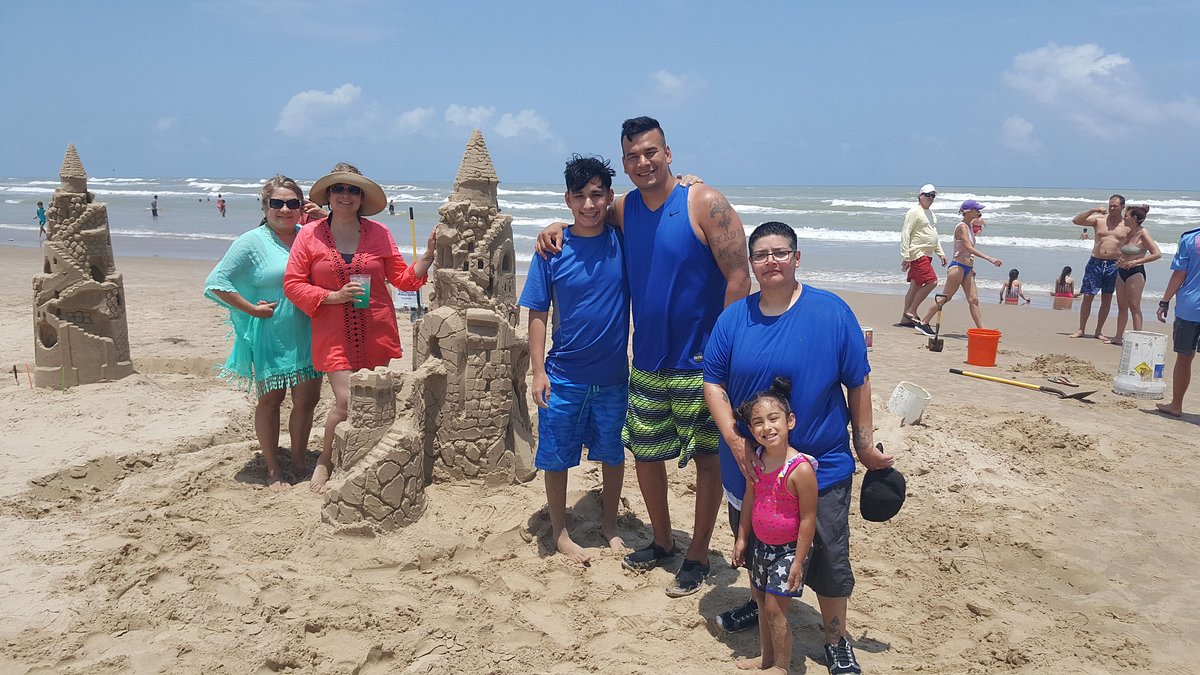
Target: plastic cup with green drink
{"points": [[362, 301]]}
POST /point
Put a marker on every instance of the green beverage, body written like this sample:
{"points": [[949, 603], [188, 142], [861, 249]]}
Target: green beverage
{"points": [[362, 301]]}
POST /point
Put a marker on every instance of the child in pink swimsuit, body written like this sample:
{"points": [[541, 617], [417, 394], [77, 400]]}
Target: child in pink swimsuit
{"points": [[780, 523]]}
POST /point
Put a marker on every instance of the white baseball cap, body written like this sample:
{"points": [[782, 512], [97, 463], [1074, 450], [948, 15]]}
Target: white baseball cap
{"points": [[928, 189]]}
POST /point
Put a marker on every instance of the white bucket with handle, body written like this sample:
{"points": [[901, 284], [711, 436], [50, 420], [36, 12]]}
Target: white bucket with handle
{"points": [[1143, 360], [908, 402]]}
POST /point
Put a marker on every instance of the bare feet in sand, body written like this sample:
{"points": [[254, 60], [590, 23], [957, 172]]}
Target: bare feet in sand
{"points": [[319, 478], [1110, 341], [615, 542], [569, 548], [1076, 334], [275, 481], [1168, 410], [756, 664]]}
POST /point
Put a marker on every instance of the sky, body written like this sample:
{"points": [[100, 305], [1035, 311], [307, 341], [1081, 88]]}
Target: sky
{"points": [[1021, 93]]}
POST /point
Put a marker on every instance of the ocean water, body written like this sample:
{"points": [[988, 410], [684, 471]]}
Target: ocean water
{"points": [[849, 236]]}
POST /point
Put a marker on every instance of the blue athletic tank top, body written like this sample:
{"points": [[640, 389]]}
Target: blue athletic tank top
{"points": [[676, 289]]}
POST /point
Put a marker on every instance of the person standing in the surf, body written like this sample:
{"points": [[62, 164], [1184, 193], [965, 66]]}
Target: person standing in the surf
{"points": [[1100, 275]]}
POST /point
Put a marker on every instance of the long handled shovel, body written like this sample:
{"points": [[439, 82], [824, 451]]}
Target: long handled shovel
{"points": [[1025, 385], [936, 343]]}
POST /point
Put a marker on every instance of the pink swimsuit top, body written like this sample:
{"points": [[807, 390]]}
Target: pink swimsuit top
{"points": [[776, 515]]}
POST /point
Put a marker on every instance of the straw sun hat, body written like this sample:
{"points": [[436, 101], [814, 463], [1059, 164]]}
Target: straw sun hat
{"points": [[373, 198]]}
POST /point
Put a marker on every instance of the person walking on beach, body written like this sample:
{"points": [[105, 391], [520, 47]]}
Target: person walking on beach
{"points": [[776, 529], [272, 348], [391, 207], [1184, 284], [41, 218], [918, 244], [685, 260], [154, 207], [1100, 275], [346, 335], [582, 386], [221, 205], [811, 337], [1137, 249], [962, 268]]}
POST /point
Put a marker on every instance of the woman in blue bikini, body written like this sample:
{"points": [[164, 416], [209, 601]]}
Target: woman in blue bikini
{"points": [[961, 270]]}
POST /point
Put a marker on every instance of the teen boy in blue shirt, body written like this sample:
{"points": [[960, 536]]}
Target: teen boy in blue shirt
{"points": [[581, 386]]}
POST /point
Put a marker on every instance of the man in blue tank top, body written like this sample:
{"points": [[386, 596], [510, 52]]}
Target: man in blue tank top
{"points": [[685, 258]]}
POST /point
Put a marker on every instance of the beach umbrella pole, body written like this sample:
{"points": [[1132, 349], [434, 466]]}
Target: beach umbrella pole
{"points": [[412, 225]]}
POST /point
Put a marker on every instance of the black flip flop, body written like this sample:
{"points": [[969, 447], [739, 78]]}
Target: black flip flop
{"points": [[648, 558]]}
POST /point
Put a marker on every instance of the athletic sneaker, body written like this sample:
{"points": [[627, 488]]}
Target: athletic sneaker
{"points": [[840, 659], [648, 558], [739, 618], [924, 329], [689, 579]]}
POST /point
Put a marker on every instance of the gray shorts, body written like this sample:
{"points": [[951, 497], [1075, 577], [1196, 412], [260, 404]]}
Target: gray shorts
{"points": [[1186, 336], [829, 573]]}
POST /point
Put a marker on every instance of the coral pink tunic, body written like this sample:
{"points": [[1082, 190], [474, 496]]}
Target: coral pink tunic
{"points": [[345, 338]]}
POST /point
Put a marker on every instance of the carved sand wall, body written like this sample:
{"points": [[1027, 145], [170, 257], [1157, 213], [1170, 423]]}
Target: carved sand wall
{"points": [[80, 331]]}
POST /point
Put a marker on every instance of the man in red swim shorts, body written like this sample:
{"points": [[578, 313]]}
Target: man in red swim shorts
{"points": [[918, 244]]}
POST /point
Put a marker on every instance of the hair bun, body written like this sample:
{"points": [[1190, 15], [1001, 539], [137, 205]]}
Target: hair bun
{"points": [[782, 386]]}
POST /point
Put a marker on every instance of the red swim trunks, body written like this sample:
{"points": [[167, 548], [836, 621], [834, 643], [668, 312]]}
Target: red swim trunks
{"points": [[921, 270]]}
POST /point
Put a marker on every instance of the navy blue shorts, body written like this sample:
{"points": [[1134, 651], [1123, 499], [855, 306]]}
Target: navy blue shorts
{"points": [[1186, 336], [1100, 276]]}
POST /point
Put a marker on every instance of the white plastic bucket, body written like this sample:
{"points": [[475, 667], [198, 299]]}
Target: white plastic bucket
{"points": [[1143, 360], [869, 336], [908, 401]]}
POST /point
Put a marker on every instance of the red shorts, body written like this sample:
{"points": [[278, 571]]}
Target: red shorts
{"points": [[921, 270]]}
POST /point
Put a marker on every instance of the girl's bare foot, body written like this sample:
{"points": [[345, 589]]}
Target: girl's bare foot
{"points": [[275, 481], [319, 478], [750, 664], [569, 548]]}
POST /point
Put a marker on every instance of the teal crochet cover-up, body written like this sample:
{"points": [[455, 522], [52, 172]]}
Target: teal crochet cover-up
{"points": [[268, 354]]}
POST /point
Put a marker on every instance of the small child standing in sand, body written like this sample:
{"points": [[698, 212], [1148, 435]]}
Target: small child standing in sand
{"points": [[780, 525]]}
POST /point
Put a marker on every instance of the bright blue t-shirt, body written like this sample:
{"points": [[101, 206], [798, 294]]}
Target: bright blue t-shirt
{"points": [[589, 324], [1187, 258], [819, 346]]}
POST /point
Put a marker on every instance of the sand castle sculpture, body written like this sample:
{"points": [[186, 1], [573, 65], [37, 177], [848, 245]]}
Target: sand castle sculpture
{"points": [[80, 331], [462, 413]]}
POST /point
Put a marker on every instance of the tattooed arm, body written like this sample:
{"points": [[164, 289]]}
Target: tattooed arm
{"points": [[721, 230], [862, 427]]}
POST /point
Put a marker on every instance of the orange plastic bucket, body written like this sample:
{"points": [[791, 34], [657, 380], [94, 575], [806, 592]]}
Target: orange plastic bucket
{"points": [[981, 346]]}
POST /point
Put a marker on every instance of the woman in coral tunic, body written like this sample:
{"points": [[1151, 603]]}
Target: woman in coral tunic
{"points": [[318, 280]]}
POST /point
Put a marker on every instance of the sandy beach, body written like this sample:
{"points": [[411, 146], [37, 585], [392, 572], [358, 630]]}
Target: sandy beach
{"points": [[1039, 535]]}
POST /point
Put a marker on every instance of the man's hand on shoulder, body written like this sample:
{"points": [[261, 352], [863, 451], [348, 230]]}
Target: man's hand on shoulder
{"points": [[549, 240]]}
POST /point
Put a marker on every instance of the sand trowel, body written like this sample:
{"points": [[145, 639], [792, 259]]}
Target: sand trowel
{"points": [[936, 343]]}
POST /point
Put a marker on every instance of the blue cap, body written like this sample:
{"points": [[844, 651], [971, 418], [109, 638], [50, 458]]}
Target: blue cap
{"points": [[970, 205]]}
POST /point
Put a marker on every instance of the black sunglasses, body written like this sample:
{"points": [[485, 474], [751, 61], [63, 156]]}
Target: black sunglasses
{"points": [[338, 189], [292, 204]]}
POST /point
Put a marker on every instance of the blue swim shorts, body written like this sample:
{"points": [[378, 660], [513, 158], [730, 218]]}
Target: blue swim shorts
{"points": [[1100, 276], [579, 415]]}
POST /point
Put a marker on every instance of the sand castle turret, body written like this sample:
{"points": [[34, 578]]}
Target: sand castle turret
{"points": [[80, 330], [477, 415]]}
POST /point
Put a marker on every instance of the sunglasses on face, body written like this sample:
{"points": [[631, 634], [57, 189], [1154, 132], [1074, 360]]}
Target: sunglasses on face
{"points": [[292, 204], [778, 256], [929, 195], [352, 190]]}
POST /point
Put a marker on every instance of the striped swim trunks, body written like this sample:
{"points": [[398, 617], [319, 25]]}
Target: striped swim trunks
{"points": [[667, 416]]}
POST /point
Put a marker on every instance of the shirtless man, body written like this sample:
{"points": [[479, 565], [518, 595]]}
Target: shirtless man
{"points": [[1100, 276]]}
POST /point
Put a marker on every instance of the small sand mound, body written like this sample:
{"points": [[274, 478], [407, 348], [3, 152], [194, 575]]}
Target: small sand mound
{"points": [[1050, 364]]}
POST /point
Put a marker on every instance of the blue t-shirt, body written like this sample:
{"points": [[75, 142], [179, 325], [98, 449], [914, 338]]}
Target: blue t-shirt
{"points": [[1187, 304], [678, 290], [819, 346], [589, 325]]}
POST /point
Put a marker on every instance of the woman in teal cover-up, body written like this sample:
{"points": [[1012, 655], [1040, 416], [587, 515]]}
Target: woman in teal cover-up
{"points": [[272, 349]]}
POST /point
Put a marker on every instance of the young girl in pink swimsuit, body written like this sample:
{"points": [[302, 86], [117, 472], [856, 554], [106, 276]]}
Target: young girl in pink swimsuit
{"points": [[778, 529]]}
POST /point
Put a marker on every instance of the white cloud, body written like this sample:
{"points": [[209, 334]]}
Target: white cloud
{"points": [[527, 120], [463, 116], [311, 111], [669, 88], [1018, 135], [1097, 91], [412, 120]]}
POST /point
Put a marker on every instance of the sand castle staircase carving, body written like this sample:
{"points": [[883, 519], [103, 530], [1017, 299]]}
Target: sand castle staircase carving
{"points": [[462, 413], [80, 330]]}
